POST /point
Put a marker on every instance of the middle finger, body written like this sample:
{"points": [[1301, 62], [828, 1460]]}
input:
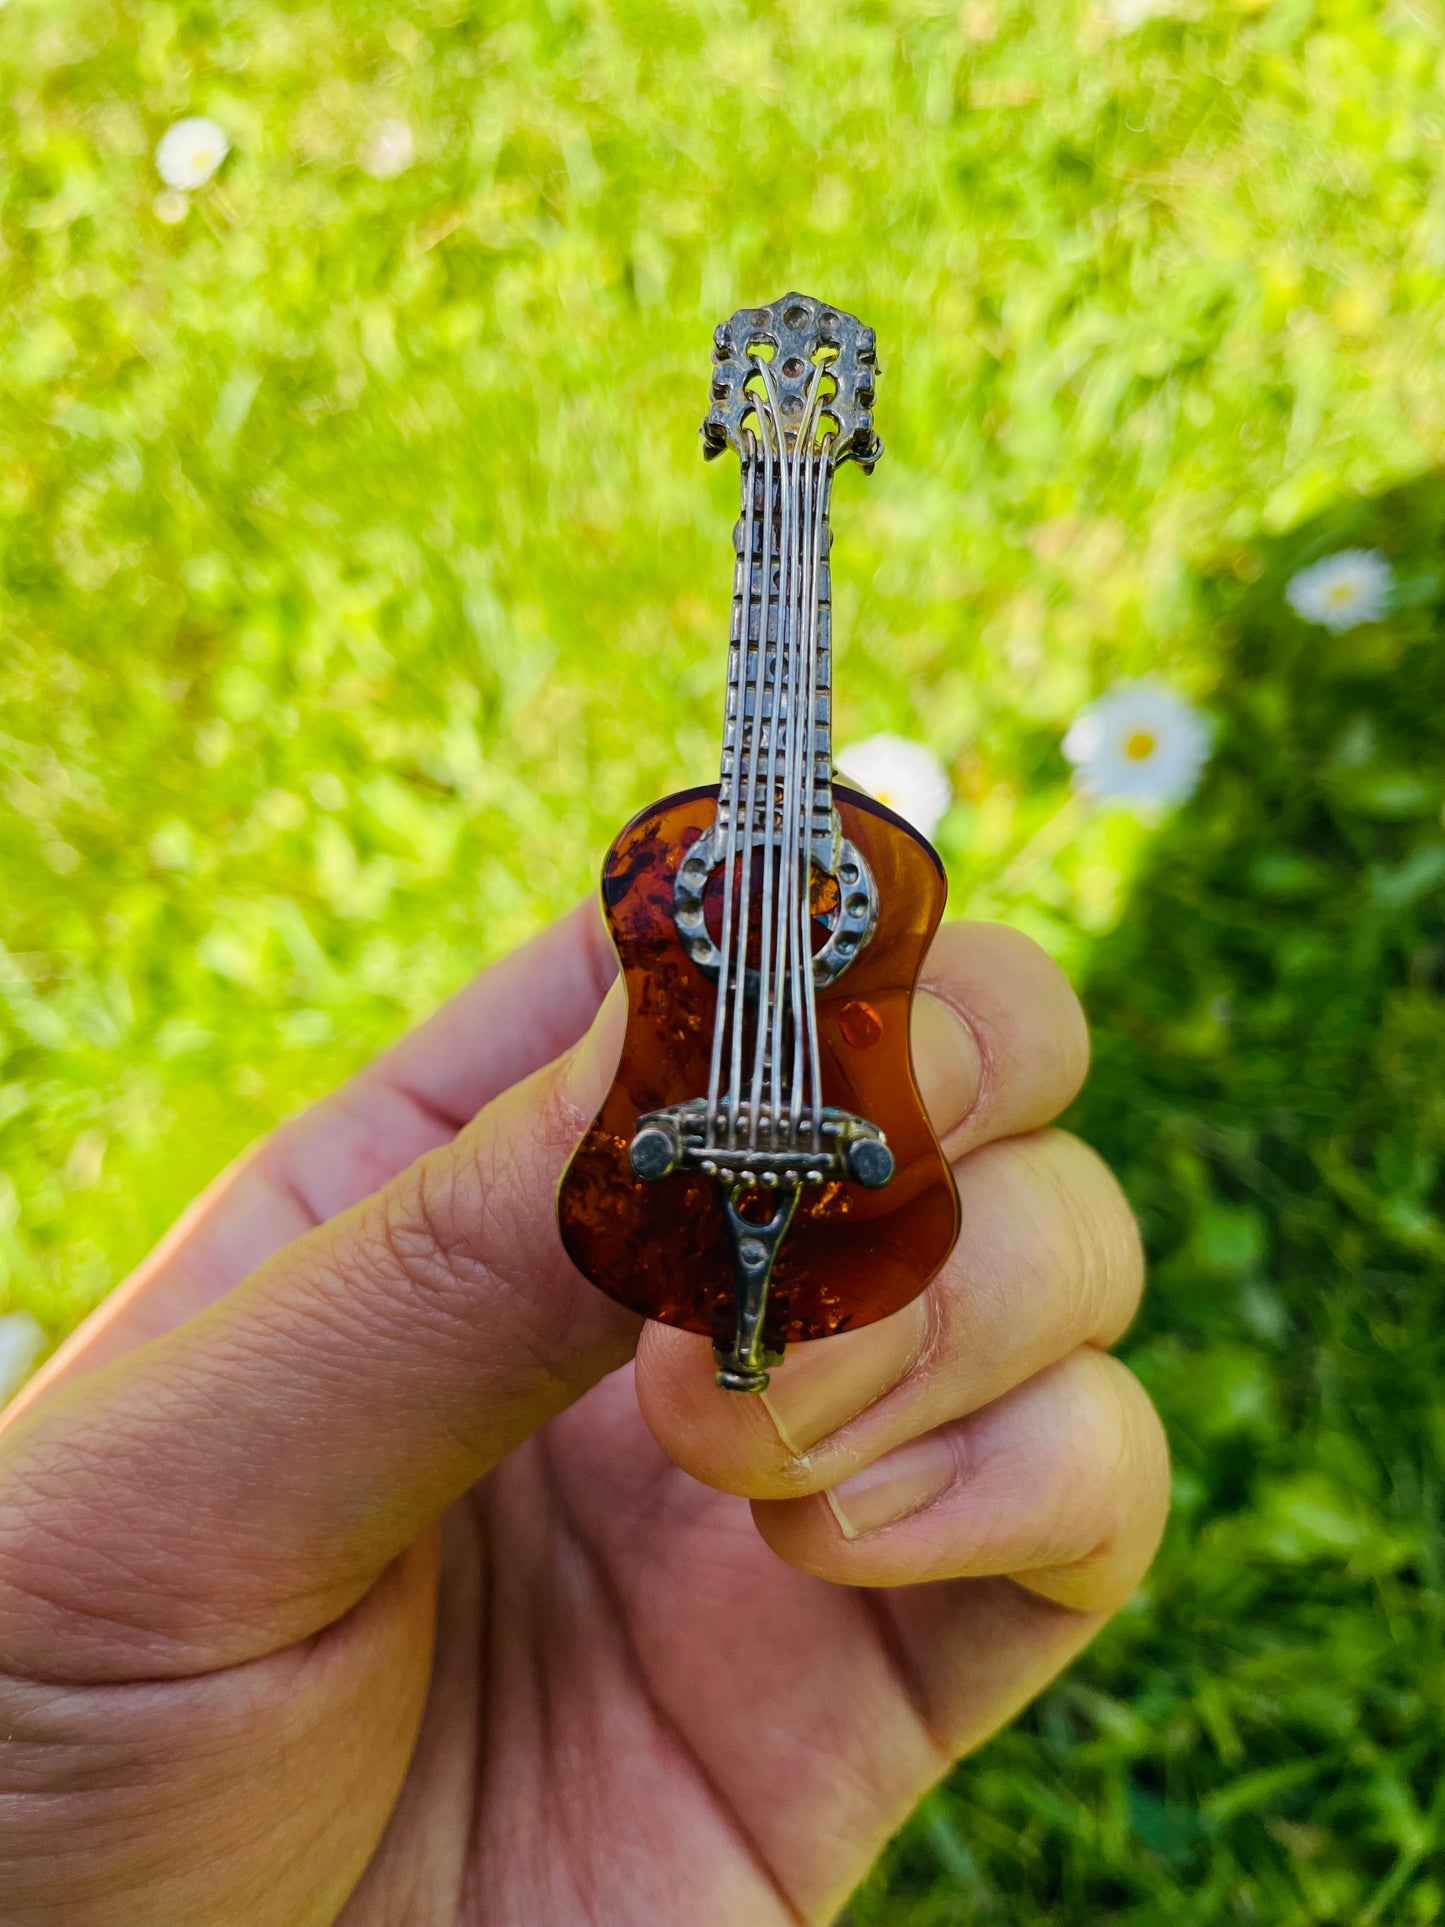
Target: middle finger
{"points": [[1048, 1259]]}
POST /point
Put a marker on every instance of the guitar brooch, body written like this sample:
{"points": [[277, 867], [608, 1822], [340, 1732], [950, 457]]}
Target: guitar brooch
{"points": [[763, 1169]]}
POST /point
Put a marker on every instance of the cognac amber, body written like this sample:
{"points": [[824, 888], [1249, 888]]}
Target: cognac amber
{"points": [[851, 1255]]}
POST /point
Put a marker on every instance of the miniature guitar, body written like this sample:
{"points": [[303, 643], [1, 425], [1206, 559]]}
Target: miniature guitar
{"points": [[763, 1170]]}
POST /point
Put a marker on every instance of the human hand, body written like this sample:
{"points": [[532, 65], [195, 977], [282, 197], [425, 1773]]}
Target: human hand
{"points": [[352, 1569]]}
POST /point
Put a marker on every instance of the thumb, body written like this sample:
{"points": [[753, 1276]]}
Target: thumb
{"points": [[239, 1483]]}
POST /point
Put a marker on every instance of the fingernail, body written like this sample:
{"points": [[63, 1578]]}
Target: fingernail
{"points": [[820, 1386], [589, 1075], [946, 1062], [894, 1487]]}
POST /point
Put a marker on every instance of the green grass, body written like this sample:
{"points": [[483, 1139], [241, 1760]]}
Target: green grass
{"points": [[361, 575]]}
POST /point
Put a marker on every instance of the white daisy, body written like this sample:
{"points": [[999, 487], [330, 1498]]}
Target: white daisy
{"points": [[188, 154], [20, 1342], [1140, 743], [1344, 590], [390, 150], [905, 775]]}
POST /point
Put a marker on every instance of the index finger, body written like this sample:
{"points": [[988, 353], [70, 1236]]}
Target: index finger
{"points": [[989, 990]]}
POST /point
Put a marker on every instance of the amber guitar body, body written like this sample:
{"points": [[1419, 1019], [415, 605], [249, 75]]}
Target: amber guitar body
{"points": [[852, 1254]]}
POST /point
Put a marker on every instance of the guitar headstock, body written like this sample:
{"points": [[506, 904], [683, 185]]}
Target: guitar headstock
{"points": [[795, 336]]}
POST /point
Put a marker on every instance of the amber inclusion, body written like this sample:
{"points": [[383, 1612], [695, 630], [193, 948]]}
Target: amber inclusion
{"points": [[851, 1255]]}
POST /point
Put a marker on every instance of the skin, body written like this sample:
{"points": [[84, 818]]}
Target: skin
{"points": [[360, 1563]]}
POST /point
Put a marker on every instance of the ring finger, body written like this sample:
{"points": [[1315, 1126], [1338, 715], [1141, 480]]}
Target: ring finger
{"points": [[1061, 1485]]}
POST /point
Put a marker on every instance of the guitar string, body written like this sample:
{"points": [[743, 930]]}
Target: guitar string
{"points": [[805, 1041], [785, 710], [805, 1031], [823, 490], [795, 887], [727, 1009]]}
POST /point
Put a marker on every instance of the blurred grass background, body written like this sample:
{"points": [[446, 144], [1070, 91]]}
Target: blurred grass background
{"points": [[361, 574]]}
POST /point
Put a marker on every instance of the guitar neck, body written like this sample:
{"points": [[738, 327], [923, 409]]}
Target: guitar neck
{"points": [[779, 693]]}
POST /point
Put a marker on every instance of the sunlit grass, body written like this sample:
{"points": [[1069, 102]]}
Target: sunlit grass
{"points": [[362, 573]]}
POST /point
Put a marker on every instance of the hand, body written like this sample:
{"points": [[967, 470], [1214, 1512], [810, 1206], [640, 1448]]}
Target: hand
{"points": [[352, 1568]]}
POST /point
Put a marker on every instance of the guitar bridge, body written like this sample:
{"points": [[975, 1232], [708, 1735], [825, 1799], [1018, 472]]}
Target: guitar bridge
{"points": [[787, 1154], [781, 1152]]}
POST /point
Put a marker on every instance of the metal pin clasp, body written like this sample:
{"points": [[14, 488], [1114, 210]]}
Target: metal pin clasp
{"points": [[743, 1366]]}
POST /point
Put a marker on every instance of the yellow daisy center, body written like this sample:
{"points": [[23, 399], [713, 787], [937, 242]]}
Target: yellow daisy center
{"points": [[1140, 745], [1340, 593]]}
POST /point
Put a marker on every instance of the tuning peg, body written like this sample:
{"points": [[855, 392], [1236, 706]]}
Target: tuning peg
{"points": [[867, 452]]}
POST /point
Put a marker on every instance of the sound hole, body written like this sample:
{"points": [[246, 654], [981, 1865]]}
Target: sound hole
{"points": [[824, 903]]}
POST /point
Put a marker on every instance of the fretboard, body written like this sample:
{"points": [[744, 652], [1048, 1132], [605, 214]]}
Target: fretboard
{"points": [[764, 706]]}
